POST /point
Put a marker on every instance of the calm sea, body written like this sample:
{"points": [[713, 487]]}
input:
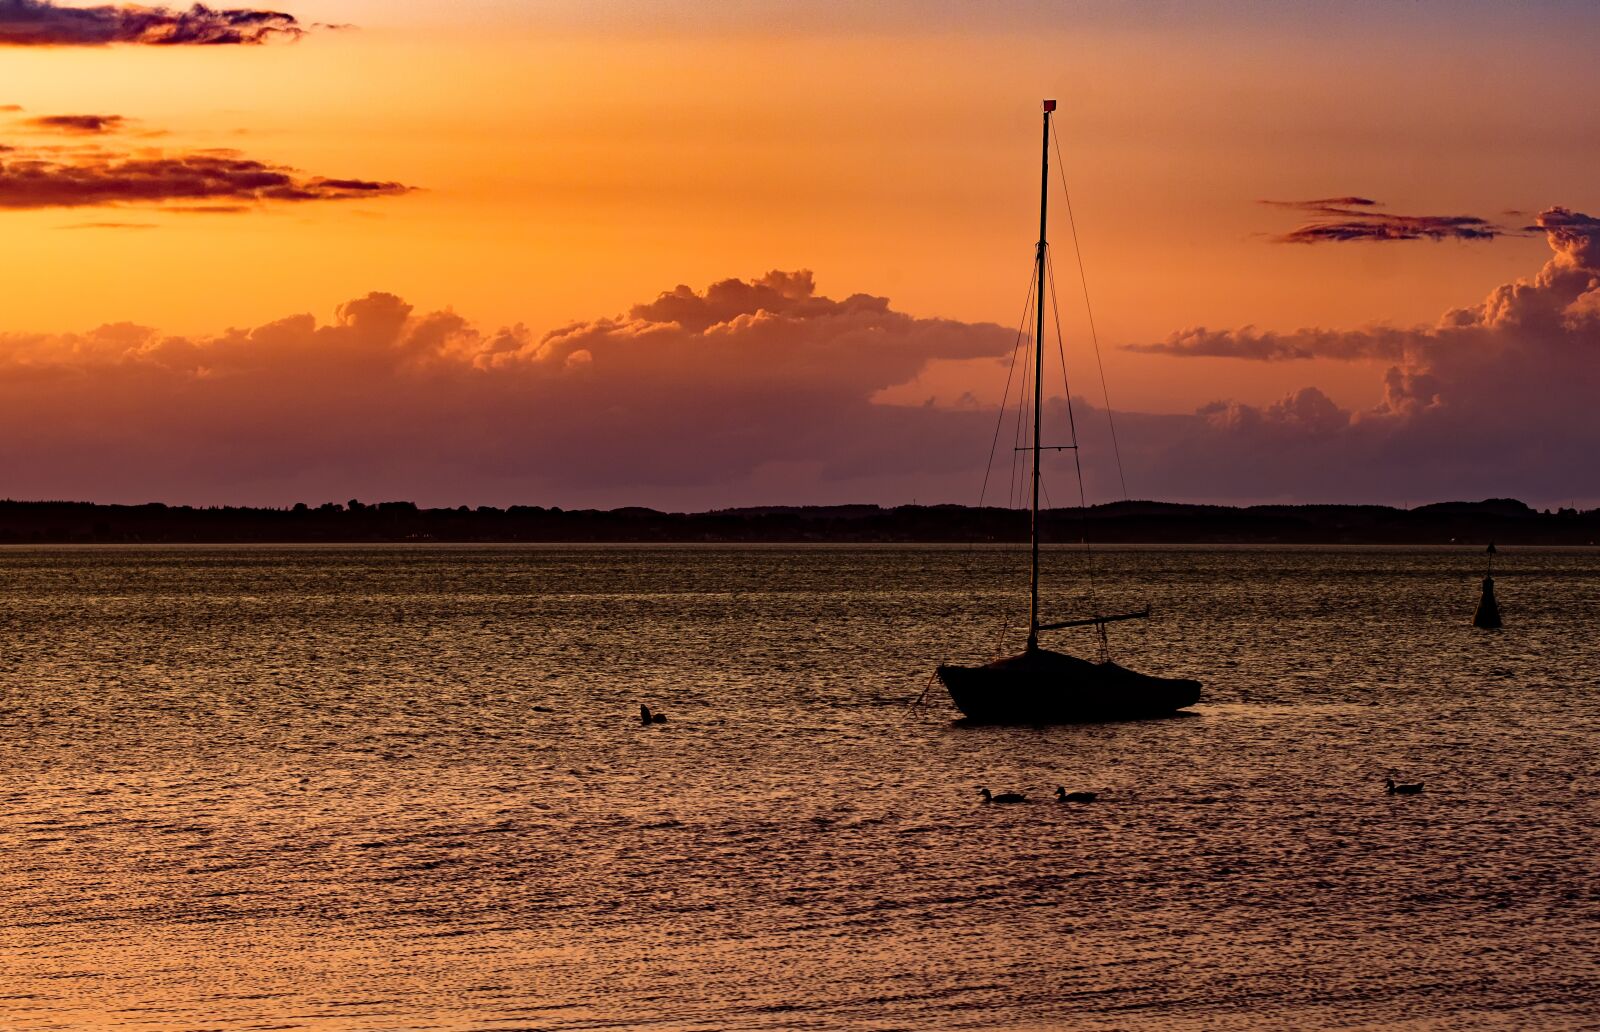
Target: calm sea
{"points": [[406, 788]]}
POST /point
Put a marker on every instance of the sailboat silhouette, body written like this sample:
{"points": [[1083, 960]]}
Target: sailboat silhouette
{"points": [[1039, 685]]}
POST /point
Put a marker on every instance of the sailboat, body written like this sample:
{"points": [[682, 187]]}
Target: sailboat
{"points": [[1042, 686]]}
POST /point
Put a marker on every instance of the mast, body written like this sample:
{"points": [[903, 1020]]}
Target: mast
{"points": [[1038, 379]]}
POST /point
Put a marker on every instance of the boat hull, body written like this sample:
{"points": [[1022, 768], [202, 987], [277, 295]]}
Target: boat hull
{"points": [[1044, 687]]}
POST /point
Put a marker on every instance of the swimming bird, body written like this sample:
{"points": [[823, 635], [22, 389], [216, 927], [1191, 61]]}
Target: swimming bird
{"points": [[647, 718], [1063, 796], [1003, 797], [1390, 788]]}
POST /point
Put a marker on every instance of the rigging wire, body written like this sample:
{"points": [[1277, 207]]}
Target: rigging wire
{"points": [[1042, 277], [1116, 450], [1015, 480], [1024, 435], [1000, 419], [1020, 436], [1005, 398], [1072, 423]]}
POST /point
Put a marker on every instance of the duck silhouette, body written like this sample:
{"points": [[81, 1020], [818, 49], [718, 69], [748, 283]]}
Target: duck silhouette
{"points": [[1390, 788], [1003, 797], [1063, 796], [647, 718]]}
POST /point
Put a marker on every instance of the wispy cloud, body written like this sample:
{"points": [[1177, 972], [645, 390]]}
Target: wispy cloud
{"points": [[1271, 346], [46, 23], [1327, 205], [1346, 219], [111, 225], [207, 209], [210, 181], [83, 125]]}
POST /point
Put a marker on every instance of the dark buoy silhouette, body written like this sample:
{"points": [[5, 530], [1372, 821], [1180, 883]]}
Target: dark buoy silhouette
{"points": [[1488, 614]]}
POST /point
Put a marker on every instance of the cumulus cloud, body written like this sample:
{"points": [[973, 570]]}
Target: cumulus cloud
{"points": [[220, 180], [1495, 398], [46, 23], [760, 391], [691, 395], [1344, 219]]}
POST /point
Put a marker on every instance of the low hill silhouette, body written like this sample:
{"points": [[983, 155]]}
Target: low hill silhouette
{"points": [[1505, 521]]}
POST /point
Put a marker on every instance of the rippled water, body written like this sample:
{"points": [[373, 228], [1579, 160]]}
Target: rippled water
{"points": [[312, 788]]}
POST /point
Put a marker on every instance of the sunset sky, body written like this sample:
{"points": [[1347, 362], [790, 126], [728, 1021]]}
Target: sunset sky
{"points": [[417, 250]]}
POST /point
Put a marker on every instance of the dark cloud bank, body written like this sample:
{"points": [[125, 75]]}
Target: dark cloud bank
{"points": [[761, 391], [45, 23]]}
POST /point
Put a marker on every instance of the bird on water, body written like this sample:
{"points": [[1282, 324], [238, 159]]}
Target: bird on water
{"points": [[647, 718], [1063, 796], [1003, 797], [1390, 788]]}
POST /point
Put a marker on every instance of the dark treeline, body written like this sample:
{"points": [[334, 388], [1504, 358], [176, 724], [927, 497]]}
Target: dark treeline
{"points": [[1501, 520]]}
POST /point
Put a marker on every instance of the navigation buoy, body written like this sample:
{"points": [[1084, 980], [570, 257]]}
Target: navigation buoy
{"points": [[1488, 614]]}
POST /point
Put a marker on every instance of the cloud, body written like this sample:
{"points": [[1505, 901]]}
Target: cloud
{"points": [[111, 225], [87, 125], [1575, 238], [693, 396], [1495, 398], [207, 209], [45, 23], [1271, 346], [1563, 295], [1327, 205], [53, 179], [1343, 219], [760, 391], [211, 181]]}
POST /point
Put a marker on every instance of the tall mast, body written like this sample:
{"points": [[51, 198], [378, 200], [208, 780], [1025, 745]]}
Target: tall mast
{"points": [[1038, 378]]}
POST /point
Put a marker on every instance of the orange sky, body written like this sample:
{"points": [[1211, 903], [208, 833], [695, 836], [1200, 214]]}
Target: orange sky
{"points": [[572, 160]]}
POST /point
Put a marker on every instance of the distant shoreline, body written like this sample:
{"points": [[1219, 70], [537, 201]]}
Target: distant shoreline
{"points": [[1504, 521]]}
